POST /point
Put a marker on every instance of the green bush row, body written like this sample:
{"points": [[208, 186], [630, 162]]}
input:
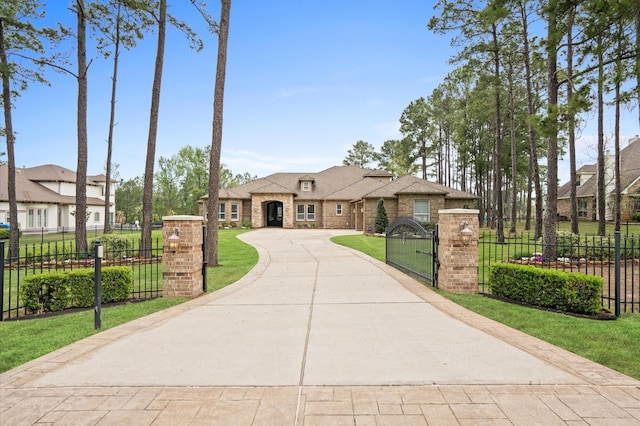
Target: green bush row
{"points": [[595, 247], [55, 291], [547, 288]]}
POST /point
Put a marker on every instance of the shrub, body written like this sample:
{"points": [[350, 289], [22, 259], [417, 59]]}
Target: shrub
{"points": [[564, 291], [55, 291], [113, 242], [45, 292], [382, 221]]}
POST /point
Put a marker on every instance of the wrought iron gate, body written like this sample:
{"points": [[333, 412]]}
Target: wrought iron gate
{"points": [[412, 248]]}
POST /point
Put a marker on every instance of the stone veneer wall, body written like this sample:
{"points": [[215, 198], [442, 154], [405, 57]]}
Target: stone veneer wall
{"points": [[458, 272], [333, 221], [183, 269], [258, 209]]}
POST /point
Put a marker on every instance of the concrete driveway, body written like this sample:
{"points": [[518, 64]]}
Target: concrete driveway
{"points": [[315, 334]]}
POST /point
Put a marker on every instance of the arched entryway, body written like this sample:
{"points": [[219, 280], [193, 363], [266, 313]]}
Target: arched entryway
{"points": [[274, 213]]}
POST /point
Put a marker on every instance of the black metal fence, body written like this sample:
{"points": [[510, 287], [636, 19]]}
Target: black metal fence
{"points": [[615, 258], [146, 266], [414, 249]]}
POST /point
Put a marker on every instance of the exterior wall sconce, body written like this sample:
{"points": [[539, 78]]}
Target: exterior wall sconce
{"points": [[465, 233], [173, 240]]}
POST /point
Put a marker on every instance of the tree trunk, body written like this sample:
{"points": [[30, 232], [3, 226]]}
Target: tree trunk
{"points": [[112, 118], [618, 181], [497, 183], [147, 197], [601, 185], [81, 170], [573, 197], [14, 233], [514, 163], [216, 143], [550, 238]]}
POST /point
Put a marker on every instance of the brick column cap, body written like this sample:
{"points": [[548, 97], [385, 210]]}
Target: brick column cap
{"points": [[454, 211], [182, 217]]}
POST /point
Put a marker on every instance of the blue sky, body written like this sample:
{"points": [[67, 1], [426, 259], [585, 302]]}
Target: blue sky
{"points": [[305, 81]]}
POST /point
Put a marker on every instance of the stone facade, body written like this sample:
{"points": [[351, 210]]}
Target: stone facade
{"points": [[258, 209], [182, 269], [342, 197], [458, 272]]}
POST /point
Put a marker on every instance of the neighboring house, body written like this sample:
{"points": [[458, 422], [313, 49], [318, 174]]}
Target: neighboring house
{"points": [[341, 197], [587, 186], [46, 198]]}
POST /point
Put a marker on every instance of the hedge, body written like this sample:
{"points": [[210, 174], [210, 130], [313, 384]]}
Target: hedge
{"points": [[56, 291], [547, 288]]}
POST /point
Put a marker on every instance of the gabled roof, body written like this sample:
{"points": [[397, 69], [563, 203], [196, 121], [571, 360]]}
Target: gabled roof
{"points": [[414, 185], [272, 188], [29, 190], [629, 172], [341, 183], [55, 173]]}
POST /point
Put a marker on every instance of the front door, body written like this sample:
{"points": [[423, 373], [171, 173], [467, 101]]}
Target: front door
{"points": [[274, 214]]}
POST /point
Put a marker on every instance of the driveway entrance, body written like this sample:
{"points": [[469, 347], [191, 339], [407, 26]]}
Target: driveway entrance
{"points": [[315, 334]]}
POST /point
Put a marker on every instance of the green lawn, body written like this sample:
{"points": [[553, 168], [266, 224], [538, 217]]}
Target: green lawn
{"points": [[610, 343], [27, 339]]}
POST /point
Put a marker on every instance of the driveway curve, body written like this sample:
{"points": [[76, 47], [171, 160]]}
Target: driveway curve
{"points": [[313, 316]]}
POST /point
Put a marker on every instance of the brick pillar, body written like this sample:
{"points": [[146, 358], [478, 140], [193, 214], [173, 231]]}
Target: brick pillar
{"points": [[182, 268], [458, 272]]}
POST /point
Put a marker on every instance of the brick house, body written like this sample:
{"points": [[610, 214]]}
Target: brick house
{"points": [[587, 185], [340, 197]]}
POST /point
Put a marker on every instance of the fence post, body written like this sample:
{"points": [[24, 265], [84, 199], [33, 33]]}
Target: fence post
{"points": [[457, 255], [182, 256], [617, 274], [97, 287], [204, 258], [1, 280]]}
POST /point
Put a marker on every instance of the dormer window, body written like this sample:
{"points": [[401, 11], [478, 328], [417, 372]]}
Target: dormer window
{"points": [[306, 183]]}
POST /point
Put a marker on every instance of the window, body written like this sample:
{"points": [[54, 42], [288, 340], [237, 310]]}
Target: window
{"points": [[221, 211], [311, 212], [582, 208], [234, 212], [300, 212], [96, 217], [421, 211], [338, 209], [306, 186], [37, 218]]}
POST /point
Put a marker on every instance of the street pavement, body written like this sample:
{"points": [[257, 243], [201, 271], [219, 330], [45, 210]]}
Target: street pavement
{"points": [[315, 334]]}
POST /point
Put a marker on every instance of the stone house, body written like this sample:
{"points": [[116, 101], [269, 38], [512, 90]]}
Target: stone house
{"points": [[46, 198], [340, 197], [587, 185]]}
